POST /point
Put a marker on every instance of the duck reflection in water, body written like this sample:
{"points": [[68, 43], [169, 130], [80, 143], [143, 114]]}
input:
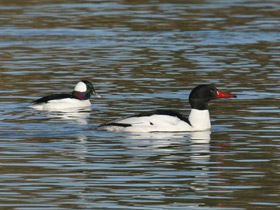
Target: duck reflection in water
{"points": [[167, 140], [73, 116], [184, 156]]}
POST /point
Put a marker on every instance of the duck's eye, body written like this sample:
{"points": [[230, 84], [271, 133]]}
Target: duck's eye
{"points": [[213, 91]]}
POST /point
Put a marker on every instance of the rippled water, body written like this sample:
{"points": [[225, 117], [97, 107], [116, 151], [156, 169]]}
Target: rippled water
{"points": [[141, 55]]}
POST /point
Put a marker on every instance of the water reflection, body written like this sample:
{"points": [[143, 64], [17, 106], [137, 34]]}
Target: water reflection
{"points": [[144, 163], [71, 115], [174, 148], [162, 139]]}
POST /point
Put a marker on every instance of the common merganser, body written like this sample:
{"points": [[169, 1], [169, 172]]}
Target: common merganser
{"points": [[77, 99], [172, 121]]}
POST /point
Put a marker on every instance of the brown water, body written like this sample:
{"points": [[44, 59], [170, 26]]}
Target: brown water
{"points": [[141, 55]]}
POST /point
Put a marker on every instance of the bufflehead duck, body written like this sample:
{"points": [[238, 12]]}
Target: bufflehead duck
{"points": [[77, 99], [172, 121]]}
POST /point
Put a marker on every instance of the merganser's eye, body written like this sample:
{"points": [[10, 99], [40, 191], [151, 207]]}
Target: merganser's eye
{"points": [[213, 91]]}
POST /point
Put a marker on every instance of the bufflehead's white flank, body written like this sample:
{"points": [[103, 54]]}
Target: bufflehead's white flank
{"points": [[172, 121], [78, 98]]}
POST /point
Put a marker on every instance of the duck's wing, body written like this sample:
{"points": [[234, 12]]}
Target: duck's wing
{"points": [[46, 99]]}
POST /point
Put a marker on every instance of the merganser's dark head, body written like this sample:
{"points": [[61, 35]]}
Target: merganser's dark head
{"points": [[202, 94]]}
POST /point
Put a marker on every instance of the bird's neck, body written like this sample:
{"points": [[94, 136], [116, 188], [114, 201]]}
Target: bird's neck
{"points": [[81, 95], [200, 119], [200, 103]]}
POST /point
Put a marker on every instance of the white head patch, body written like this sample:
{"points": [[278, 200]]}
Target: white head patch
{"points": [[81, 87]]}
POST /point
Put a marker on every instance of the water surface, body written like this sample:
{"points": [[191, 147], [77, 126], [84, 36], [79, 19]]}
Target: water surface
{"points": [[140, 55]]}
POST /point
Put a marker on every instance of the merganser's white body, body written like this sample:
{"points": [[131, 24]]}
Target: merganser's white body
{"points": [[199, 120]]}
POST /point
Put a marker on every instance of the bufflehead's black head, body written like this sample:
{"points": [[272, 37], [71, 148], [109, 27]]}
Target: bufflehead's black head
{"points": [[84, 89], [202, 94]]}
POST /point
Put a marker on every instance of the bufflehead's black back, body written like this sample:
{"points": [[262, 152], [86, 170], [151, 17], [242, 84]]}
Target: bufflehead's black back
{"points": [[172, 121], [78, 98]]}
